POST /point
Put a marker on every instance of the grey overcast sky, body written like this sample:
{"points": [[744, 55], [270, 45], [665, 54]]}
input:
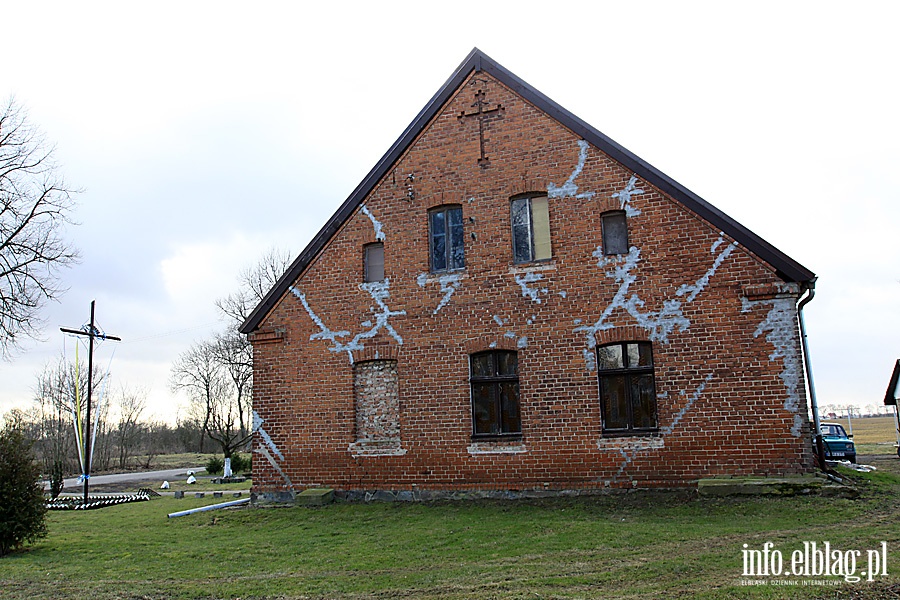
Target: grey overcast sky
{"points": [[204, 133]]}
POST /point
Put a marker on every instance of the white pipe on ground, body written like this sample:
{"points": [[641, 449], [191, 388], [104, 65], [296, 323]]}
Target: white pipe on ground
{"points": [[210, 507]]}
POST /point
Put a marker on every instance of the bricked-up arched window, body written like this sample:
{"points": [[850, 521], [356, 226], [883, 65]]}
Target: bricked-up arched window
{"points": [[627, 387], [530, 229], [446, 239], [376, 390], [495, 393], [615, 232]]}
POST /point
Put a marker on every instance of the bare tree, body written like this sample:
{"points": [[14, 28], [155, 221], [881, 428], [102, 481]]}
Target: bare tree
{"points": [[255, 282], [235, 354], [57, 392], [232, 349], [35, 204], [213, 398], [196, 373], [217, 374], [129, 428]]}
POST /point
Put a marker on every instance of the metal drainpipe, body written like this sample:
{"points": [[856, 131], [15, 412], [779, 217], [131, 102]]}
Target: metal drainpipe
{"points": [[811, 288]]}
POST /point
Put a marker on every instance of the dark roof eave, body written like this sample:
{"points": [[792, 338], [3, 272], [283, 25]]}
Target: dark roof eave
{"points": [[890, 396], [473, 61], [786, 268]]}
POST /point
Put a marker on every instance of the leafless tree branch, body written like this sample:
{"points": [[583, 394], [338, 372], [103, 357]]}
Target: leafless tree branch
{"points": [[35, 204]]}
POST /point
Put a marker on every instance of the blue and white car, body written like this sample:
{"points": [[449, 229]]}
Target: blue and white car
{"points": [[838, 445]]}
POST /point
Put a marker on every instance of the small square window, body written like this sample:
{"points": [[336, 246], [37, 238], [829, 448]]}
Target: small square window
{"points": [[374, 262], [615, 233]]}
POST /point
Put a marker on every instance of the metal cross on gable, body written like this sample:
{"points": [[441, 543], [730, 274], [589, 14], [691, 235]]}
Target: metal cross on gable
{"points": [[480, 112]]}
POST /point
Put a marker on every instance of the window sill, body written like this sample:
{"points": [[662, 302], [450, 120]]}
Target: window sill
{"points": [[532, 267], [631, 442], [436, 276], [630, 433], [494, 445], [497, 437], [387, 447]]}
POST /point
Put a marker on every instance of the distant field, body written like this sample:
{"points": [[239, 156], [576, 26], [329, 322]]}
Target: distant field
{"points": [[870, 430], [175, 461], [872, 435]]}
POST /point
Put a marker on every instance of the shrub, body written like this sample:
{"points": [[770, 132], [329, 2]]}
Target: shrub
{"points": [[240, 463], [215, 465], [22, 508], [57, 476]]}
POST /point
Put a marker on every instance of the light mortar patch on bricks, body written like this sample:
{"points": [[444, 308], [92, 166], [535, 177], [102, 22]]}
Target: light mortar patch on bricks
{"points": [[511, 334], [379, 232], [780, 322], [380, 292], [668, 429], [532, 293], [660, 324], [701, 283], [449, 284], [625, 195], [569, 189], [266, 440], [630, 447]]}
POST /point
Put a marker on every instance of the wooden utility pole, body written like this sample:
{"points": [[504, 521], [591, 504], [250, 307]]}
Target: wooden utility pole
{"points": [[91, 333]]}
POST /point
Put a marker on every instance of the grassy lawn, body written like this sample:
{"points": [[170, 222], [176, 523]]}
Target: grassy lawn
{"points": [[630, 545], [205, 484]]}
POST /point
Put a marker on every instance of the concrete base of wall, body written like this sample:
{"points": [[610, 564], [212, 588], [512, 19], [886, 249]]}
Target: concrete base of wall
{"points": [[315, 497], [773, 486], [307, 497]]}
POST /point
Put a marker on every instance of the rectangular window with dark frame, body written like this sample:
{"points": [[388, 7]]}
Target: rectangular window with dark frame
{"points": [[374, 262], [615, 232], [495, 394], [531, 229], [627, 387], [446, 239]]}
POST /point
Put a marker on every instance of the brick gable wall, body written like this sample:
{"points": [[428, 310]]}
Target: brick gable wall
{"points": [[728, 372]]}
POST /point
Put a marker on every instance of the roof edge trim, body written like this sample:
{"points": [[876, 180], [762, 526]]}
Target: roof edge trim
{"points": [[785, 267]]}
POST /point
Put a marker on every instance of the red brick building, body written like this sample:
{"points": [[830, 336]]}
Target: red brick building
{"points": [[511, 301]]}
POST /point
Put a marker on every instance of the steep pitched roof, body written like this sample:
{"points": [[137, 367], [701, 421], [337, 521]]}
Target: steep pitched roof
{"points": [[786, 268]]}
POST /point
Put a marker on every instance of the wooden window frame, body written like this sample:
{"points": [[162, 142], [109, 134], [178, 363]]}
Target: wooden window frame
{"points": [[496, 382], [628, 372], [450, 242]]}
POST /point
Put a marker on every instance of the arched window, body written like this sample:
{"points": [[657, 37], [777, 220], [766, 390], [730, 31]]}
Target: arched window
{"points": [[627, 387], [530, 216], [446, 239], [495, 393]]}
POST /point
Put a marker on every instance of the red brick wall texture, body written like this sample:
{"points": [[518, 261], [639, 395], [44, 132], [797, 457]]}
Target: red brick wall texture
{"points": [[366, 386]]}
